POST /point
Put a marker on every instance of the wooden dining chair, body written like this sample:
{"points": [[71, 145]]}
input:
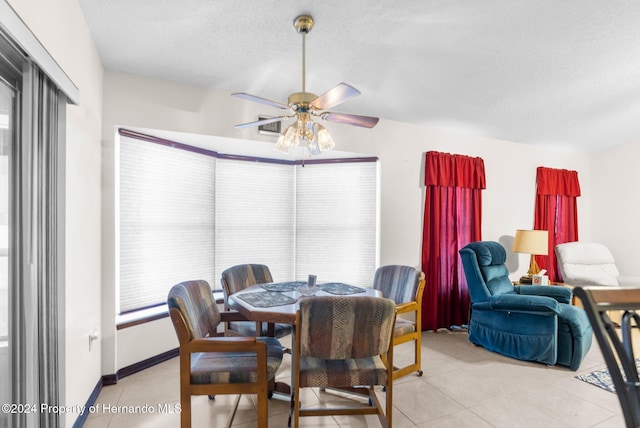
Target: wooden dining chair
{"points": [[212, 364], [339, 341], [238, 278], [404, 285]]}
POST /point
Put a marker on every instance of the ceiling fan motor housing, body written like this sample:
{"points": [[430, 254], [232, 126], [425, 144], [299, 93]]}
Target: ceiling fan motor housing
{"points": [[299, 101]]}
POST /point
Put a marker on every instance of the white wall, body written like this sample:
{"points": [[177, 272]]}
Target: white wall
{"points": [[508, 201], [615, 183], [61, 28]]}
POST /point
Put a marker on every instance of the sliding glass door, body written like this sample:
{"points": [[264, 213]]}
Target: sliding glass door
{"points": [[7, 97], [32, 115]]}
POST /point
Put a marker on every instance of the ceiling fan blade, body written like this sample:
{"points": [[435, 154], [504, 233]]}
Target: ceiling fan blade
{"points": [[261, 122], [351, 119], [260, 100], [334, 96]]}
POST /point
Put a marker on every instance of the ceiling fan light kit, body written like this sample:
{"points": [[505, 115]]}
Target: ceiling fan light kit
{"points": [[304, 106]]}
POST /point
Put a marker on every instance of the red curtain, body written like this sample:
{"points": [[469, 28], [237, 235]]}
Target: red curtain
{"points": [[556, 210], [452, 219]]}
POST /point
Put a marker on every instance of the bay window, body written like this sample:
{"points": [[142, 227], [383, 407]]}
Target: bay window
{"points": [[186, 213]]}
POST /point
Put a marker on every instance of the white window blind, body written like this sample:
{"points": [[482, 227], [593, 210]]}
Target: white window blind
{"points": [[336, 224], [166, 221], [185, 214], [254, 216]]}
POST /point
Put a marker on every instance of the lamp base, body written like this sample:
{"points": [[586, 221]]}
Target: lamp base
{"points": [[533, 267]]}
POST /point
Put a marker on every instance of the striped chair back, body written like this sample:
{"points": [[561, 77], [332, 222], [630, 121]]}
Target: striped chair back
{"points": [[239, 277], [345, 327], [194, 300], [398, 283]]}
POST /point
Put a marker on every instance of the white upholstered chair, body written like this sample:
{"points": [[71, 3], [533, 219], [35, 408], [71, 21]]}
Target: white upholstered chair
{"points": [[589, 263]]}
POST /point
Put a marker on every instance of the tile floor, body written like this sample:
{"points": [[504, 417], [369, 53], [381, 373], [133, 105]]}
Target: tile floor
{"points": [[463, 386]]}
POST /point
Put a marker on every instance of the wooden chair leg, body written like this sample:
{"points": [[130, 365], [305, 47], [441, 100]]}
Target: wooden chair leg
{"points": [[185, 413], [389, 391], [418, 356], [263, 415], [294, 409], [389, 404]]}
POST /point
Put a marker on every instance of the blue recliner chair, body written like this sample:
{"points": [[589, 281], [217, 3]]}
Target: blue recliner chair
{"points": [[527, 322]]}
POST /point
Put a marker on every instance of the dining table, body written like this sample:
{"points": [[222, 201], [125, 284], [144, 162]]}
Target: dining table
{"points": [[278, 302]]}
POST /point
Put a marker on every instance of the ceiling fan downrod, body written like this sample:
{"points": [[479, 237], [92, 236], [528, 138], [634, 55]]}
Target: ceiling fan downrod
{"points": [[303, 25]]}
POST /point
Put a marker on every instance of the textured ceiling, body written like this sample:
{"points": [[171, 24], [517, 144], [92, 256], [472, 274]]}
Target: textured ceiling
{"points": [[546, 72]]}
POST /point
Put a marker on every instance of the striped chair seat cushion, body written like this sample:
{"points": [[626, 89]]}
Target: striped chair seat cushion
{"points": [[317, 372], [403, 327], [234, 367]]}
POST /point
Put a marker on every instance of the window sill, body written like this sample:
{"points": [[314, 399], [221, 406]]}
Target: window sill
{"points": [[143, 316]]}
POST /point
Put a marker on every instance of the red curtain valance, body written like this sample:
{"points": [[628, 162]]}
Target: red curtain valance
{"points": [[445, 169], [552, 181]]}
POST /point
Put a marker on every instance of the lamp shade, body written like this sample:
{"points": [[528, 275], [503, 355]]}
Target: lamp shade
{"points": [[531, 242]]}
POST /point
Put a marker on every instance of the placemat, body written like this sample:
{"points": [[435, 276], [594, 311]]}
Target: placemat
{"points": [[340, 288], [265, 299], [284, 286]]}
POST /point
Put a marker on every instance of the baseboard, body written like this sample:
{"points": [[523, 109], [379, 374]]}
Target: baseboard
{"points": [[112, 379], [145, 364], [82, 418]]}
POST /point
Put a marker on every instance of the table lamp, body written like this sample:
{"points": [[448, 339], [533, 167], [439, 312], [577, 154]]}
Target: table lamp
{"points": [[534, 242]]}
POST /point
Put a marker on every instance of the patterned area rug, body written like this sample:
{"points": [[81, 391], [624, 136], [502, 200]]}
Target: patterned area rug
{"points": [[602, 378]]}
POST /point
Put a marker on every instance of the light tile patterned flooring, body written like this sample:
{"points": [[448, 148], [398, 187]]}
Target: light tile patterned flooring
{"points": [[463, 386]]}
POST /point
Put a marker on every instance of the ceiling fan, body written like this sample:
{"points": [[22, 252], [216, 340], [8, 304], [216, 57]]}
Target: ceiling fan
{"points": [[304, 106]]}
